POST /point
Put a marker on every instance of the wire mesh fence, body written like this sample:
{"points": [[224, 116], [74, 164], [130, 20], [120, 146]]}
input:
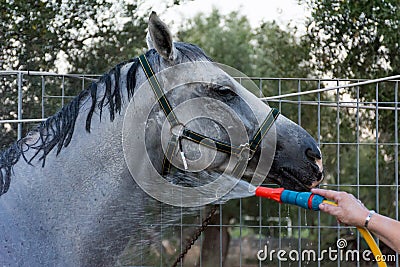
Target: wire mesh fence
{"points": [[355, 126]]}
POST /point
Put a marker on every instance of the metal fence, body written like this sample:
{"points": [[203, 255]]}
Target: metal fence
{"points": [[356, 127], [21, 84]]}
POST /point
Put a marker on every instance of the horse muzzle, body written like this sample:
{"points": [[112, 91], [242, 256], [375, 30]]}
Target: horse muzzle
{"points": [[297, 163]]}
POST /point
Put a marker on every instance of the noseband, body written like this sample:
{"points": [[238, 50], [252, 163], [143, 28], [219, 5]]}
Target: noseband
{"points": [[244, 152]]}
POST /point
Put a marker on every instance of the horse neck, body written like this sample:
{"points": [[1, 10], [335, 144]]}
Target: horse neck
{"points": [[87, 154], [86, 182], [96, 139]]}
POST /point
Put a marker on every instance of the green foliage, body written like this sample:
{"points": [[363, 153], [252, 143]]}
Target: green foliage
{"points": [[36, 31], [279, 53], [227, 39], [267, 51], [355, 39], [80, 36], [358, 39]]}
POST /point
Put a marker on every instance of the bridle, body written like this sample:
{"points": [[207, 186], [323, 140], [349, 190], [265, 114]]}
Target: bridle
{"points": [[244, 152]]}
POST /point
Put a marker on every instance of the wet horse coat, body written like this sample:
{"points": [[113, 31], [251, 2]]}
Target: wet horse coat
{"points": [[68, 197]]}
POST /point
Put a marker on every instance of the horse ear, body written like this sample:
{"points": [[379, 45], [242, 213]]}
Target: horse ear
{"points": [[160, 38]]}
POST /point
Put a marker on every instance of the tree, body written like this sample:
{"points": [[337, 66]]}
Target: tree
{"points": [[226, 39], [279, 53], [355, 39], [80, 36], [35, 32]]}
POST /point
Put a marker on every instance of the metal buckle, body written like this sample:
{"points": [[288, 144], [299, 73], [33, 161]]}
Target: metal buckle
{"points": [[177, 129]]}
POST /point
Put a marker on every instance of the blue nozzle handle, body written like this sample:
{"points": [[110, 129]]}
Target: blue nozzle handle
{"points": [[305, 200]]}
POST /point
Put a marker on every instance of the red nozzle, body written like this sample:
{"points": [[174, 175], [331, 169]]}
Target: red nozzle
{"points": [[270, 193]]}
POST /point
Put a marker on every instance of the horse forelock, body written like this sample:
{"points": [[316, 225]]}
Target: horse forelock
{"points": [[57, 130]]}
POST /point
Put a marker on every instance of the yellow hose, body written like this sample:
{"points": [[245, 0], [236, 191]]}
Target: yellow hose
{"points": [[370, 241]]}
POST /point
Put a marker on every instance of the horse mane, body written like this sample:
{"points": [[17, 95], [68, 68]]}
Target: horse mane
{"points": [[58, 129]]}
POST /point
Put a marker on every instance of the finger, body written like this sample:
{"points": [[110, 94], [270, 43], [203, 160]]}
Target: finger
{"points": [[330, 194], [330, 209]]}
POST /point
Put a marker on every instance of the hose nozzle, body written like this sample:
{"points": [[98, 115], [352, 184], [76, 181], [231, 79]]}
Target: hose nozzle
{"points": [[305, 200]]}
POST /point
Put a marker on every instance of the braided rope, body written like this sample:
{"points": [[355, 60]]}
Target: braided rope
{"points": [[195, 236]]}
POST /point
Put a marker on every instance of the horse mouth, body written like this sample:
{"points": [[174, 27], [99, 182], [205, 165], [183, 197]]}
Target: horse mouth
{"points": [[289, 179]]}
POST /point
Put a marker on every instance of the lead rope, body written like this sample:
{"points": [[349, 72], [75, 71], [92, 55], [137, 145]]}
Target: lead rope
{"points": [[195, 235]]}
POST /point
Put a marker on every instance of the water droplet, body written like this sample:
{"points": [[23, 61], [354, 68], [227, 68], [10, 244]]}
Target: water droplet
{"points": [[305, 217]]}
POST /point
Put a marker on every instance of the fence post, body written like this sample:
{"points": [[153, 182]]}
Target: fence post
{"points": [[19, 114]]}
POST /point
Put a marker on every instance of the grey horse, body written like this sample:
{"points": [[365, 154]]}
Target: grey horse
{"points": [[69, 197]]}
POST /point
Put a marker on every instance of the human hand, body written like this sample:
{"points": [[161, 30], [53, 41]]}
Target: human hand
{"points": [[349, 210]]}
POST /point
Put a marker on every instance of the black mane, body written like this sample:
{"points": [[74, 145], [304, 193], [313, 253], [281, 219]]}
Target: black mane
{"points": [[58, 129]]}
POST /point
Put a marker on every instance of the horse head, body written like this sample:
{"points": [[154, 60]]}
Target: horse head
{"points": [[203, 122]]}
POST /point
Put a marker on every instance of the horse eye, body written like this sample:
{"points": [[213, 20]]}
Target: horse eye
{"points": [[225, 90]]}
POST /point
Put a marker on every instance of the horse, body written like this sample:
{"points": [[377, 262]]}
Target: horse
{"points": [[73, 190]]}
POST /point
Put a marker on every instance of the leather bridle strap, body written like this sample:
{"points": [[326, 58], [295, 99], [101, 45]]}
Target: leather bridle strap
{"points": [[245, 151], [158, 91], [228, 148], [264, 128]]}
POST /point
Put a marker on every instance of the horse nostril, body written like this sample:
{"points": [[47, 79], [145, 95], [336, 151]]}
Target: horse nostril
{"points": [[312, 154]]}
